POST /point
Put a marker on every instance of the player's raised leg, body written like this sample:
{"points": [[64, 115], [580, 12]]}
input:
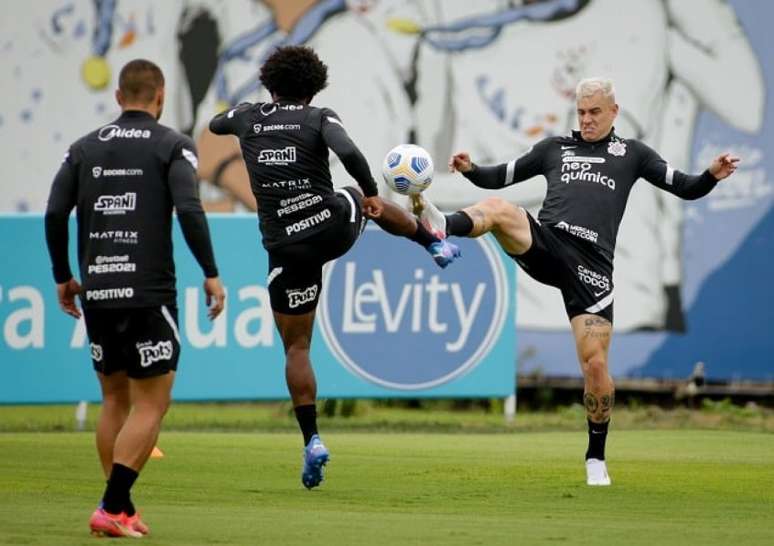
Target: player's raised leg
{"points": [[507, 222], [592, 338], [296, 334], [396, 221]]}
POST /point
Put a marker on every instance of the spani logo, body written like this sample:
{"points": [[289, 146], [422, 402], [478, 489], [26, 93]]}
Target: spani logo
{"points": [[395, 319]]}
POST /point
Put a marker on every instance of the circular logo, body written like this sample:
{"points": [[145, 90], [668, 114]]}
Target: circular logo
{"points": [[268, 108], [392, 317], [108, 132]]}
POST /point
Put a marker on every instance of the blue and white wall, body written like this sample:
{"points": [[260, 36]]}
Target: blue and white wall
{"points": [[693, 78]]}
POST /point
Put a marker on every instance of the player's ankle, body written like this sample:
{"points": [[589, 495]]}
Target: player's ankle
{"points": [[423, 236], [459, 224]]}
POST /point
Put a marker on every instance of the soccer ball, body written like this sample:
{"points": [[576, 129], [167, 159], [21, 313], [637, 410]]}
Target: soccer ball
{"points": [[408, 169]]}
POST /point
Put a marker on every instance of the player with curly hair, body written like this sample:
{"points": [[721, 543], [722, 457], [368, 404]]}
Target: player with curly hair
{"points": [[303, 220]]}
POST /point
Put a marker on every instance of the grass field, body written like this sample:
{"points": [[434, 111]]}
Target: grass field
{"points": [[374, 417], [669, 487]]}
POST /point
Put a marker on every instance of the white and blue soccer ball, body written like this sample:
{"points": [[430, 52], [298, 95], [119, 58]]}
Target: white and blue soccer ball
{"points": [[408, 169]]}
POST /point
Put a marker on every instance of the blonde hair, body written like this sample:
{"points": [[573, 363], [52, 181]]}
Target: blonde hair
{"points": [[591, 86]]}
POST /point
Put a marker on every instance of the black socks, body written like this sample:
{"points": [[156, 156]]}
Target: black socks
{"points": [[597, 437], [307, 420], [423, 236], [117, 498], [459, 224]]}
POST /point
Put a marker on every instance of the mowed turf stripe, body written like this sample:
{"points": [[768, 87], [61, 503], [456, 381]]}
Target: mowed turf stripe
{"points": [[669, 487]]}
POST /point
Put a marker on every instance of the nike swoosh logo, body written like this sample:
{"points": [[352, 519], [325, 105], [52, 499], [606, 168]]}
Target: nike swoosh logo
{"points": [[568, 147], [597, 294]]}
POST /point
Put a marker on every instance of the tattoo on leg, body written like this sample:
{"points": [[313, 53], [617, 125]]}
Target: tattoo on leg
{"points": [[591, 403], [607, 401], [479, 220], [592, 324], [596, 321]]}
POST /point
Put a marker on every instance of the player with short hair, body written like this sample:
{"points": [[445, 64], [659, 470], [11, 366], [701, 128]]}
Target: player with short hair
{"points": [[571, 245], [124, 179], [304, 222]]}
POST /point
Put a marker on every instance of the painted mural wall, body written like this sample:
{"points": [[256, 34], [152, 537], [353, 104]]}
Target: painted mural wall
{"points": [[493, 77]]}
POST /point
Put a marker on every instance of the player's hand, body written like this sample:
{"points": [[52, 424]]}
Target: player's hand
{"points": [[723, 166], [65, 293], [460, 162], [373, 206], [216, 296]]}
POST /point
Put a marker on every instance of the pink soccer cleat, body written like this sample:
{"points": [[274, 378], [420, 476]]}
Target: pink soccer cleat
{"points": [[137, 524], [112, 525]]}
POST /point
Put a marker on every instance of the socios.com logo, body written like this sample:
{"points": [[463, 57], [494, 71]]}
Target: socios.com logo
{"points": [[391, 316]]}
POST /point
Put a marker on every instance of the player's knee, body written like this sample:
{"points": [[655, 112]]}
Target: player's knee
{"points": [[154, 407], [500, 212], [497, 206], [595, 369], [296, 348], [116, 402]]}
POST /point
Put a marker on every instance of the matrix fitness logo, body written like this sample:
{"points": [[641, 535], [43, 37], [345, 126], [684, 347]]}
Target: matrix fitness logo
{"points": [[405, 324]]}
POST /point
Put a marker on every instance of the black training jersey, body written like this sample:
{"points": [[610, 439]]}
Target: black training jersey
{"points": [[285, 147], [589, 182], [124, 180]]}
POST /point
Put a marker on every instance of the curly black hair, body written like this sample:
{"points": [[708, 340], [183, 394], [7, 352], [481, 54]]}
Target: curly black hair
{"points": [[294, 72]]}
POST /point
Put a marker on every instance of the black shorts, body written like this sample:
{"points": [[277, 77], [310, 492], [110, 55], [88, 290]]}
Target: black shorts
{"points": [[144, 341], [582, 273], [295, 270]]}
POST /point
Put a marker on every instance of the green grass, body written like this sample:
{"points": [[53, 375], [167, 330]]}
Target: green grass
{"points": [[373, 416], [669, 487]]}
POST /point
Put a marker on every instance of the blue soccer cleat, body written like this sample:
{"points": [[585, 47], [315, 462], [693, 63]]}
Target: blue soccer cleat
{"points": [[316, 455], [444, 252]]}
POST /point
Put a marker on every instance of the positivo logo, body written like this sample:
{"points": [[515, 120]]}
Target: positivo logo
{"points": [[404, 324]]}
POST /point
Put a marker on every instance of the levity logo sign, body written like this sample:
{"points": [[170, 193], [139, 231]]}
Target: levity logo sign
{"points": [[391, 316]]}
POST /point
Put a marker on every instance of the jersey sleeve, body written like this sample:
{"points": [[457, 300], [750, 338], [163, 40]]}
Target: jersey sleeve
{"points": [[658, 172], [61, 200], [517, 170], [184, 189], [337, 139], [232, 122]]}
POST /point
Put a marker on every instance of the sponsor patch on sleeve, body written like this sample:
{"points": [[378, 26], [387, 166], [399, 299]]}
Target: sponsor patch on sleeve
{"points": [[191, 158]]}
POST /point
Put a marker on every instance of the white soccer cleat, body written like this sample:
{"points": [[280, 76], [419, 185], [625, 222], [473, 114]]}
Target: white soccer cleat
{"points": [[429, 215], [596, 472]]}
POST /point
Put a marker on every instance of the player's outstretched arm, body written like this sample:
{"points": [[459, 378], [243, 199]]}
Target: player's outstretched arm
{"points": [[505, 174], [656, 171], [723, 166], [460, 162], [490, 178]]}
